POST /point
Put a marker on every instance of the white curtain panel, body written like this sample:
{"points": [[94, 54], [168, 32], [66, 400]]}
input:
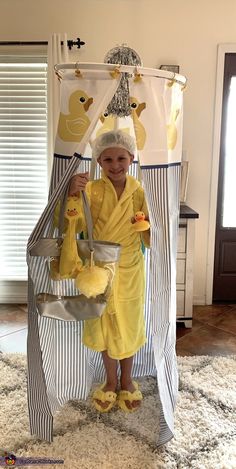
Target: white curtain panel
{"points": [[57, 53], [60, 367]]}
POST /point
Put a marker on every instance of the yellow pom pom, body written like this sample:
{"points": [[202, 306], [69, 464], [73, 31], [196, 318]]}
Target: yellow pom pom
{"points": [[92, 281]]}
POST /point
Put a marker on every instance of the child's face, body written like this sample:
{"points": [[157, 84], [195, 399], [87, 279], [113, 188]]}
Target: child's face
{"points": [[115, 163]]}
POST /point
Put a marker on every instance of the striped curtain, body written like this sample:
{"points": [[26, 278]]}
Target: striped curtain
{"points": [[157, 118], [60, 367]]}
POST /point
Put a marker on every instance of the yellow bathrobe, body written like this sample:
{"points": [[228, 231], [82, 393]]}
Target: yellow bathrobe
{"points": [[121, 329]]}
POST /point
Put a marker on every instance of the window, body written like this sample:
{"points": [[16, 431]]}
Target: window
{"points": [[23, 157]]}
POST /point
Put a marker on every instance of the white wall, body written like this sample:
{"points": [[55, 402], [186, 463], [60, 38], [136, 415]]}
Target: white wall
{"points": [[183, 32]]}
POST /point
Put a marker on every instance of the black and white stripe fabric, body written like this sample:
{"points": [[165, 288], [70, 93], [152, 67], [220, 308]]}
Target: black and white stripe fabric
{"points": [[60, 368]]}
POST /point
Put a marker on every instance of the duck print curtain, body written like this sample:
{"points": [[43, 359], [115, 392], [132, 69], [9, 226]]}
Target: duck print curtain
{"points": [[60, 368]]}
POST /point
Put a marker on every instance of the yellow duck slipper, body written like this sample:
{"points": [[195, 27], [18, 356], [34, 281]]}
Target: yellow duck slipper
{"points": [[130, 397], [104, 396]]}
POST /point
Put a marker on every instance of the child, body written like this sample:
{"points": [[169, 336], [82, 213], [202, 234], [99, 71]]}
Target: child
{"points": [[120, 332]]}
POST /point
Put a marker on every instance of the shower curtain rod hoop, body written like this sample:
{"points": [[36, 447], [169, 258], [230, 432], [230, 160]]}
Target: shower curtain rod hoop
{"points": [[124, 68], [70, 43]]}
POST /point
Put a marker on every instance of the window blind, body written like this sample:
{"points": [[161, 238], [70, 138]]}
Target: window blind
{"points": [[23, 158]]}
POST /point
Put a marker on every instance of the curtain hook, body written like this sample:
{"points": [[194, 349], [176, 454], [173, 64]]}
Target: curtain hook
{"points": [[137, 75], [116, 72], [78, 73], [58, 75], [171, 81]]}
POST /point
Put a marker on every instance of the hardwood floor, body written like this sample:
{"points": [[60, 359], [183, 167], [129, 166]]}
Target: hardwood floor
{"points": [[13, 328], [213, 331]]}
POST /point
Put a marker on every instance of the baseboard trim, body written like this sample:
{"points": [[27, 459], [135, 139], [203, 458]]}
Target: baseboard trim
{"points": [[199, 300], [13, 292]]}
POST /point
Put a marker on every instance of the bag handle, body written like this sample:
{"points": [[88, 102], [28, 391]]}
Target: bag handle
{"points": [[87, 213], [88, 218], [62, 212]]}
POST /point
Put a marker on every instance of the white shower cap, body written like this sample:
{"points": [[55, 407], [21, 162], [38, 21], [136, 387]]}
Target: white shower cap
{"points": [[114, 138]]}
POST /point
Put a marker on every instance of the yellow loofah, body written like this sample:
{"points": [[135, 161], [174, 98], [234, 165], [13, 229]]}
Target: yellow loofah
{"points": [[92, 281]]}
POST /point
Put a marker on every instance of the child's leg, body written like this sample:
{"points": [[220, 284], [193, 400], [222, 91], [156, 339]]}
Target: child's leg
{"points": [[111, 377], [111, 371], [126, 380]]}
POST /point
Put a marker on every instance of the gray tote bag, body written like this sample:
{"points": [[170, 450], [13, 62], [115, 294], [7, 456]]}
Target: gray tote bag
{"points": [[75, 307]]}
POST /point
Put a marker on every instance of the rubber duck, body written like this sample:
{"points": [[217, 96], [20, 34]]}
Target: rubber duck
{"points": [[140, 132], [72, 126], [140, 224]]}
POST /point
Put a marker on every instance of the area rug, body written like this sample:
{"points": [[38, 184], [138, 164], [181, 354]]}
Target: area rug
{"points": [[205, 422]]}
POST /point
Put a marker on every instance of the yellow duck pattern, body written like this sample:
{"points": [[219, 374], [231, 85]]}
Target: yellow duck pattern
{"points": [[108, 123], [140, 132], [172, 130], [72, 126]]}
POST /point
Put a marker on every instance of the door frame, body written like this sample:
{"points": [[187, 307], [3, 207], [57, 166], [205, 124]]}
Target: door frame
{"points": [[222, 50]]}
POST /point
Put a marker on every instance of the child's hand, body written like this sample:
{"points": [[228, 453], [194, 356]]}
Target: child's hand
{"points": [[78, 183]]}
